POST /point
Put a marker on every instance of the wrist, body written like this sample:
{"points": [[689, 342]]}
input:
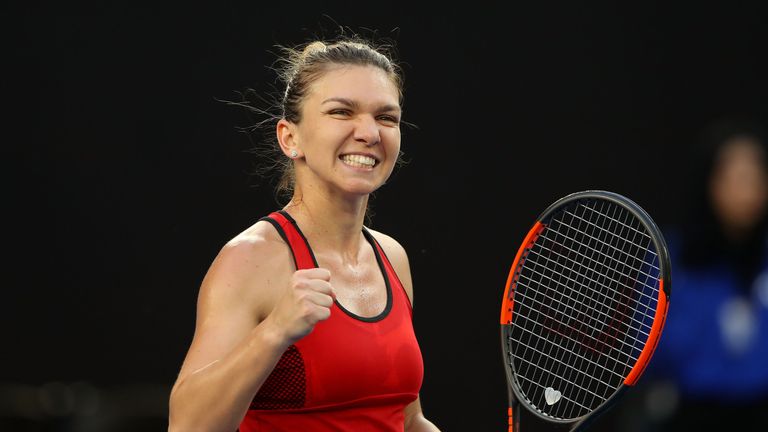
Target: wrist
{"points": [[273, 335]]}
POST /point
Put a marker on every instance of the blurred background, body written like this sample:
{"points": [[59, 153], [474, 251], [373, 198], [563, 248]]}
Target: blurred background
{"points": [[123, 175]]}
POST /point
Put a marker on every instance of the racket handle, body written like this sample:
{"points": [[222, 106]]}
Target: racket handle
{"points": [[513, 413]]}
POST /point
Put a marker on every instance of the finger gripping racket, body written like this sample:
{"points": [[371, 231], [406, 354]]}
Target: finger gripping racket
{"points": [[583, 308]]}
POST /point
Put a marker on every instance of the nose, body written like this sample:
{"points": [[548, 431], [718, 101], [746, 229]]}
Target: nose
{"points": [[367, 131]]}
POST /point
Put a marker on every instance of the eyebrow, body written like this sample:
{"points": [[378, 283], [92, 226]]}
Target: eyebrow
{"points": [[352, 104]]}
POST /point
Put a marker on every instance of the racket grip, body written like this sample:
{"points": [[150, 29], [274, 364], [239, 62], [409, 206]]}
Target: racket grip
{"points": [[514, 420], [513, 413]]}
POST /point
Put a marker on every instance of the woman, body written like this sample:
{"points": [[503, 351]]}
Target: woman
{"points": [[304, 319], [710, 365]]}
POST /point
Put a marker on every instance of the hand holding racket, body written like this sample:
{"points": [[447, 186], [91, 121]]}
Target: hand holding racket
{"points": [[583, 308]]}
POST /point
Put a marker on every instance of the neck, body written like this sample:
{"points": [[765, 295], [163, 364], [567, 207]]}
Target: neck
{"points": [[330, 225], [736, 235]]}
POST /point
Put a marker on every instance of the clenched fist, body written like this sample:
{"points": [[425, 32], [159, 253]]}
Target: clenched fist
{"points": [[306, 301]]}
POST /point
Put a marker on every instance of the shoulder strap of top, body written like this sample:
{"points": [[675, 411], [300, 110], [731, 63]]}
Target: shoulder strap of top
{"points": [[303, 257], [391, 273]]}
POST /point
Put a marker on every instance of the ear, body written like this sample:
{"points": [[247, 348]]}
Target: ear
{"points": [[287, 138]]}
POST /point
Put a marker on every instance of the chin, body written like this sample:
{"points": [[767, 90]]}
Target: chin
{"points": [[360, 189]]}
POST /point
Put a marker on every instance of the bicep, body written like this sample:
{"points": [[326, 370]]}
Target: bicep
{"points": [[226, 313], [214, 337], [413, 409], [415, 420]]}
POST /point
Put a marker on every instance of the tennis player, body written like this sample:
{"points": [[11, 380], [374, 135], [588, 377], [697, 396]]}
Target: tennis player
{"points": [[304, 320]]}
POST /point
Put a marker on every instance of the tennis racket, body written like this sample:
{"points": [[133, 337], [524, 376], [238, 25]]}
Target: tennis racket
{"points": [[583, 308]]}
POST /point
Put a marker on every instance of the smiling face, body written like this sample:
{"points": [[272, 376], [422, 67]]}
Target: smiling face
{"points": [[349, 134]]}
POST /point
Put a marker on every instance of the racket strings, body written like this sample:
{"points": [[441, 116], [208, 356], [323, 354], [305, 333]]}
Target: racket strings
{"points": [[584, 275], [572, 352], [580, 332], [540, 274], [585, 270], [640, 247], [588, 280], [605, 336], [612, 232]]}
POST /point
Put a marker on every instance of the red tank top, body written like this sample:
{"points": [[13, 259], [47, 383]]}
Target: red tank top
{"points": [[350, 373]]}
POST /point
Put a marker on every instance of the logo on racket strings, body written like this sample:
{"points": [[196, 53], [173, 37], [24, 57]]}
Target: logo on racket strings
{"points": [[552, 396]]}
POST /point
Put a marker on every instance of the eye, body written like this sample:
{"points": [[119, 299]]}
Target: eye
{"points": [[343, 112], [389, 118]]}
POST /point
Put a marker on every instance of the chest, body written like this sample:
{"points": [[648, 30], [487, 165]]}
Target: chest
{"points": [[348, 362], [351, 358], [360, 289]]}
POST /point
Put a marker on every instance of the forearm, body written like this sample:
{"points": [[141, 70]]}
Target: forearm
{"points": [[216, 397]]}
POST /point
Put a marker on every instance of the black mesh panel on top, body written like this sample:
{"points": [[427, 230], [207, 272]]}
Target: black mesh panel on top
{"points": [[285, 387]]}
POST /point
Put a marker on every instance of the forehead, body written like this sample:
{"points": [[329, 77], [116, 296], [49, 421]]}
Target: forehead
{"points": [[364, 84], [741, 148]]}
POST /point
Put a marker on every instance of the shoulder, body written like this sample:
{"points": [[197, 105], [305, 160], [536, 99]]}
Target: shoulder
{"points": [[398, 257], [394, 250], [237, 292], [251, 249], [248, 268]]}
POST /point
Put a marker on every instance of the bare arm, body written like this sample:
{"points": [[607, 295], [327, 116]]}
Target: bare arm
{"points": [[415, 420], [233, 351]]}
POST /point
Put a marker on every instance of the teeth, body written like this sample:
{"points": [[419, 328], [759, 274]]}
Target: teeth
{"points": [[358, 160]]}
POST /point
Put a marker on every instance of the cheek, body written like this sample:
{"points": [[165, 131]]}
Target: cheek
{"points": [[321, 138], [392, 141]]}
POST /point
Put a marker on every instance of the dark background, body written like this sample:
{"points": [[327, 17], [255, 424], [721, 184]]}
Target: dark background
{"points": [[124, 175]]}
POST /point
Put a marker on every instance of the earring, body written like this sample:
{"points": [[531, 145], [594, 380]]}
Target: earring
{"points": [[294, 154]]}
